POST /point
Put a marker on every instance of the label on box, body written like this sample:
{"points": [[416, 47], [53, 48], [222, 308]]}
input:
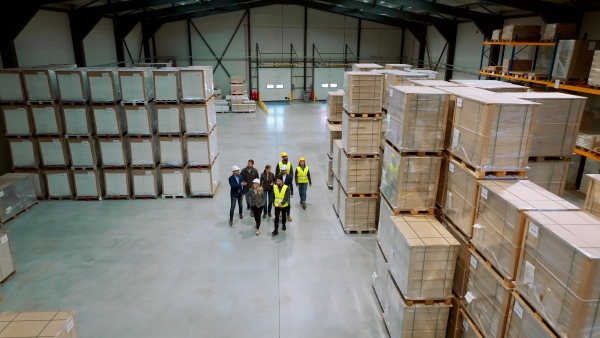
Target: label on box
{"points": [[385, 76], [451, 167], [116, 141], [484, 193], [49, 109], [529, 273], [530, 77], [145, 141], [120, 175], [533, 229], [26, 142], [592, 45], [62, 175], [374, 276], [55, 141], [85, 142], [142, 108], [556, 84], [459, 102], [136, 75], [14, 76], [518, 310], [473, 261], [148, 173], [465, 325], [74, 75], [1, 193], [90, 173], [171, 75], [20, 109], [204, 171], [80, 110], [3, 239], [176, 141], [449, 200], [176, 172], [455, 137], [8, 210], [432, 76], [477, 226], [105, 75], [70, 324], [110, 109], [469, 297], [174, 109], [41, 73], [197, 74]]}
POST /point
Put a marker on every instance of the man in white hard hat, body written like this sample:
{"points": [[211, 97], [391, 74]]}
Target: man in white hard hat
{"points": [[289, 181], [236, 182]]}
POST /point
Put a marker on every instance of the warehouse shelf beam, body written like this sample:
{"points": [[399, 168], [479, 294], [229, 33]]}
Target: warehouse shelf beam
{"points": [[550, 12], [81, 26], [117, 7]]}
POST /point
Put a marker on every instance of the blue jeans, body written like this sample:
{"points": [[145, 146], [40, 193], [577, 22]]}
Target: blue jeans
{"points": [[302, 188], [269, 199], [239, 201]]}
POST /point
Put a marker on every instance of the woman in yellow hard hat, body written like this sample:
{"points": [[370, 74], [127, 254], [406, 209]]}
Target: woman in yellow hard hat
{"points": [[303, 180]]}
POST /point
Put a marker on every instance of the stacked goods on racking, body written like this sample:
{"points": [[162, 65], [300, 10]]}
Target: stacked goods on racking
{"points": [[564, 30], [393, 78], [529, 33], [574, 59], [594, 77]]}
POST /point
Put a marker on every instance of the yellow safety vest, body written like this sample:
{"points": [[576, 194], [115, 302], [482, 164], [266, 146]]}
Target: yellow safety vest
{"points": [[302, 174], [279, 195], [289, 169]]}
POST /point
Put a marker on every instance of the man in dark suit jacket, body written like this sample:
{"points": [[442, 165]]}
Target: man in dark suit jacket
{"points": [[288, 180], [236, 182]]}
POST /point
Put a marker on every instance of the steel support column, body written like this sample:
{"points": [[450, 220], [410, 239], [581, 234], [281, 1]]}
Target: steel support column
{"points": [[358, 40], [81, 26], [122, 28], [17, 16]]}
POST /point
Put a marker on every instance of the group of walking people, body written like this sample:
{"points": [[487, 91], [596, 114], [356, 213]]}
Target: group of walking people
{"points": [[268, 190]]}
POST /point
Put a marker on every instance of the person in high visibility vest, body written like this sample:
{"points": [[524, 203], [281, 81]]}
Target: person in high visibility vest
{"points": [[289, 181], [286, 162], [282, 200], [303, 180]]}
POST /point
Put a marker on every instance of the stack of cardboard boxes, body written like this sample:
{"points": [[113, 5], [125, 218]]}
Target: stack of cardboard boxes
{"points": [[335, 110], [239, 96]]}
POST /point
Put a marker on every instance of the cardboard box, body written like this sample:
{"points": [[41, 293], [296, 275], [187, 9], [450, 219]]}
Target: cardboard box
{"points": [[338, 151], [337, 191], [202, 151], [136, 84], [46, 119], [385, 228], [38, 181], [199, 118], [559, 273], [166, 84], [393, 78], [550, 175], [594, 77], [87, 183], [104, 85], [357, 213], [145, 182], [114, 152], [237, 79], [496, 34], [493, 132], [23, 152], [564, 30], [409, 182], [17, 193], [417, 118], [434, 83], [77, 120], [117, 182], [365, 67], [196, 83], [53, 151], [73, 84], [556, 126], [11, 85], [83, 151], [521, 32], [500, 220], [172, 151], [524, 322], [58, 183], [359, 175], [238, 88], [397, 66], [469, 328], [423, 257], [380, 276], [330, 174], [431, 74], [59, 324], [334, 132], [141, 120], [517, 66], [335, 105], [109, 120], [461, 271], [363, 92], [592, 199], [17, 120], [587, 141], [170, 119], [361, 135], [7, 261], [144, 151], [40, 84], [203, 181], [174, 182], [574, 59]]}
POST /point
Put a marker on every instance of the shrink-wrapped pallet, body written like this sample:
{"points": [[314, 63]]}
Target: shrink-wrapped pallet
{"points": [[170, 119], [496, 34], [117, 183], [173, 181], [393, 78], [398, 66], [454, 320], [17, 121], [594, 77], [556, 125], [144, 151], [38, 180], [53, 151], [592, 199], [335, 105], [104, 85], [199, 118], [493, 132], [550, 175], [336, 196], [204, 181], [77, 120], [203, 150], [380, 276], [521, 32], [136, 84], [114, 152], [559, 273], [515, 69], [145, 182], [564, 30], [338, 152], [500, 219], [461, 271], [357, 213], [365, 67], [46, 119], [83, 151], [330, 174], [141, 120], [524, 322], [11, 85], [17, 193], [73, 84], [431, 74], [40, 84], [172, 151], [434, 83], [58, 183], [7, 261], [87, 183], [423, 257], [587, 141], [574, 59], [38, 324], [361, 135], [385, 228], [492, 85], [333, 132], [109, 120], [409, 182], [196, 83], [487, 297], [363, 92], [23, 152], [469, 328], [359, 175], [417, 118], [166, 84]]}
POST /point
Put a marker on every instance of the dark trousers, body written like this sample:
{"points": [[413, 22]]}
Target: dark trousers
{"points": [[257, 211], [284, 213], [239, 201], [269, 199]]}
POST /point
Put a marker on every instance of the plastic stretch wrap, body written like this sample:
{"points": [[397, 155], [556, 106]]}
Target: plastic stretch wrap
{"points": [[592, 199], [53, 151], [166, 84], [496, 34], [416, 118], [117, 182], [357, 213], [174, 181], [469, 329], [385, 228], [144, 151], [114, 152], [594, 77], [23, 152], [38, 324], [172, 151], [38, 181], [202, 151], [46, 119], [335, 105], [77, 120], [493, 132], [454, 320], [363, 92], [521, 32], [245, 106], [551, 175], [338, 151], [204, 182], [359, 175], [196, 83], [397, 78], [487, 297], [40, 84], [459, 283], [337, 191], [423, 257], [398, 66], [17, 120], [11, 85], [524, 322], [462, 193], [564, 30], [58, 183], [556, 125], [141, 120], [136, 84], [559, 273], [73, 85], [434, 83], [440, 197], [7, 262], [199, 118], [238, 88], [104, 85], [588, 141], [87, 183], [418, 320], [380, 276], [361, 135], [574, 59], [409, 182], [498, 229], [237, 79], [365, 67], [17, 193], [170, 119], [83, 151], [333, 132], [431, 74], [330, 174], [146, 182], [109, 120]]}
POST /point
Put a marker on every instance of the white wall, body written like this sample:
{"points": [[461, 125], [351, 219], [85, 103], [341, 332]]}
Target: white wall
{"points": [[468, 51], [134, 42], [99, 45], [45, 40], [379, 43], [172, 40], [411, 48]]}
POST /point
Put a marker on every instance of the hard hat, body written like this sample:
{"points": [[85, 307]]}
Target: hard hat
{"points": [[235, 168], [283, 154], [302, 159], [256, 180], [283, 167]]}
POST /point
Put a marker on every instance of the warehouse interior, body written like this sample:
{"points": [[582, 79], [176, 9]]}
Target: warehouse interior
{"points": [[452, 145]]}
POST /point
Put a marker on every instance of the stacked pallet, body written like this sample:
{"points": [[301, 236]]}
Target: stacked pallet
{"points": [[17, 195], [335, 110], [239, 96], [365, 67], [396, 78], [398, 66], [492, 85]]}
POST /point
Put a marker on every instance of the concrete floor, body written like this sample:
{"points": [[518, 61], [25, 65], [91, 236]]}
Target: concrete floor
{"points": [[174, 268]]}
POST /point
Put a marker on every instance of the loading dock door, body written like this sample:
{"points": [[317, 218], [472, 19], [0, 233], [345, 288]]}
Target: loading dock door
{"points": [[275, 83], [328, 80]]}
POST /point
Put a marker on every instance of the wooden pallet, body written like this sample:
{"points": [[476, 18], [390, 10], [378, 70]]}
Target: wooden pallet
{"points": [[177, 134], [13, 103], [171, 102], [123, 197], [79, 136], [139, 197], [549, 158], [202, 196], [145, 136], [243, 112], [334, 122], [60, 198], [372, 115], [19, 213], [49, 135], [351, 195], [88, 198], [199, 166], [144, 166], [73, 103], [135, 103], [105, 103], [436, 153], [7, 278], [114, 167], [430, 211], [171, 166], [84, 168], [173, 196], [481, 173], [55, 167], [33, 103], [372, 156], [111, 135]]}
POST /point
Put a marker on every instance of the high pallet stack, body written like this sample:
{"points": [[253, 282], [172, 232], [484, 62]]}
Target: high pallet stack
{"points": [[335, 110], [239, 96], [112, 129]]}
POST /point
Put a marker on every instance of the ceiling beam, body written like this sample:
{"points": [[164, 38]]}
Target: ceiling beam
{"points": [[117, 7], [550, 12], [184, 9]]}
